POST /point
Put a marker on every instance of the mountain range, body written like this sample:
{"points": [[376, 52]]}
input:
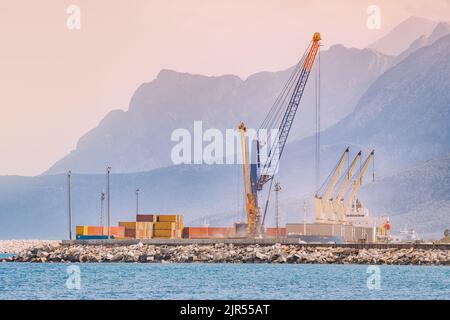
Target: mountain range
{"points": [[400, 38], [139, 139]]}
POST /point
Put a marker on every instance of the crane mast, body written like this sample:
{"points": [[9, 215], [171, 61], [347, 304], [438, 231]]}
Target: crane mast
{"points": [[251, 199], [257, 175]]}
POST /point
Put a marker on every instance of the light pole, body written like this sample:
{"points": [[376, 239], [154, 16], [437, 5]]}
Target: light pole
{"points": [[108, 198], [69, 199], [305, 209], [277, 214], [102, 200], [137, 202]]}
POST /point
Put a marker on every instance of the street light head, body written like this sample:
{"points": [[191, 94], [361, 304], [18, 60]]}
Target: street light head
{"points": [[69, 173]]}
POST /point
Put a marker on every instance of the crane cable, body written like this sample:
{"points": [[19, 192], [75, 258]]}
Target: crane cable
{"points": [[276, 108], [318, 111], [276, 114]]}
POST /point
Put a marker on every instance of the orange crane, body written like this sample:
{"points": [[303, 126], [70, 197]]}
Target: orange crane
{"points": [[280, 117]]}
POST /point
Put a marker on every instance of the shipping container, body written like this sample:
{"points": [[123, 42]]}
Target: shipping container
{"points": [[272, 232], [144, 230], [130, 233], [138, 230], [216, 232], [195, 232], [128, 224], [164, 234], [146, 218], [170, 218], [118, 232], [82, 230], [167, 218], [95, 230], [165, 225]]}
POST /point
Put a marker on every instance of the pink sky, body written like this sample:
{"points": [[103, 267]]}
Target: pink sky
{"points": [[57, 84]]}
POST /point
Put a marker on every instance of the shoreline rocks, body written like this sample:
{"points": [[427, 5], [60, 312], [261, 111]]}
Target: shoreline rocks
{"points": [[228, 253], [15, 246]]}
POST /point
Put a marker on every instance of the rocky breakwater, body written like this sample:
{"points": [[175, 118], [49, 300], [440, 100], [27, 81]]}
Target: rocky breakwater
{"points": [[16, 246], [222, 253]]}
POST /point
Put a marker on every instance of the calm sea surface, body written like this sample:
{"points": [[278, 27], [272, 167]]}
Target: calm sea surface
{"points": [[220, 281]]}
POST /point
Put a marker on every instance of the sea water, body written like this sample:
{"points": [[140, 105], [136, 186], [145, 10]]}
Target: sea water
{"points": [[221, 281]]}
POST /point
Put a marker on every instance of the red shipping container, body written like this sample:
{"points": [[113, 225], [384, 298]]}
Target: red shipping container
{"points": [[214, 232], [195, 232], [130, 233], [272, 232], [145, 218]]}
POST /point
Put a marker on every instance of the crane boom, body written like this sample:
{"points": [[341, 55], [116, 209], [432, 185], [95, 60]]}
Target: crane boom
{"points": [[323, 204], [288, 118], [338, 204], [332, 184], [358, 181], [348, 176]]}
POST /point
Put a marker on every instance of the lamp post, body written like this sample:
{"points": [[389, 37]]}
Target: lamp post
{"points": [[137, 201], [69, 200], [108, 199], [277, 213], [102, 200], [305, 209]]}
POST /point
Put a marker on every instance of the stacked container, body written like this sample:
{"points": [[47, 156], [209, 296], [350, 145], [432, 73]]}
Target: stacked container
{"points": [[207, 233], [272, 232], [137, 230], [84, 231], [168, 226], [146, 218]]}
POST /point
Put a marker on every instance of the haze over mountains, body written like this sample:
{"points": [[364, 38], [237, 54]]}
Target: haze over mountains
{"points": [[139, 139], [401, 37], [442, 29], [399, 107]]}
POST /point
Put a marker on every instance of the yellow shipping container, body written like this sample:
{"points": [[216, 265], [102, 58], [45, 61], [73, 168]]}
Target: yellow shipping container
{"points": [[82, 230], [163, 233], [144, 230], [165, 225], [169, 218], [128, 225]]}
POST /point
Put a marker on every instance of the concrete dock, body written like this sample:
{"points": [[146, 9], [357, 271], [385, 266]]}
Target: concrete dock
{"points": [[261, 242]]}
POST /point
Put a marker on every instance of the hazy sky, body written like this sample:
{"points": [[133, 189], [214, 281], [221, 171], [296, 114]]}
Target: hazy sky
{"points": [[56, 83]]}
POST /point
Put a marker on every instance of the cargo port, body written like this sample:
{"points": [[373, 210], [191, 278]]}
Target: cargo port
{"points": [[339, 216]]}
